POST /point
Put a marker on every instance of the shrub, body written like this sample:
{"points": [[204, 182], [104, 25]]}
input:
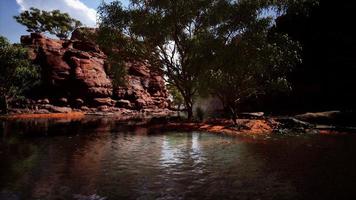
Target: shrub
{"points": [[17, 73]]}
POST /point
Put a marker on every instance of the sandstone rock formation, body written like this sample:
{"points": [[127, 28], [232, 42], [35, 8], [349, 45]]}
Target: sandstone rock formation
{"points": [[75, 70], [145, 88], [70, 68]]}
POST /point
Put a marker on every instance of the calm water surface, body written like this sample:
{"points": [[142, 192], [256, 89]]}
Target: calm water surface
{"points": [[103, 159]]}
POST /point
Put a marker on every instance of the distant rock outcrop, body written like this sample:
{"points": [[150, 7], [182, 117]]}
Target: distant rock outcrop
{"points": [[74, 70]]}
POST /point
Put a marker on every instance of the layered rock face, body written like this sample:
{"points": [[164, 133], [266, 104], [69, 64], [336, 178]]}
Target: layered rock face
{"points": [[145, 87], [74, 74]]}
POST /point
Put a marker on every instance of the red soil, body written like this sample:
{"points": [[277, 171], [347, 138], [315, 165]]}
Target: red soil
{"points": [[248, 126], [72, 115]]}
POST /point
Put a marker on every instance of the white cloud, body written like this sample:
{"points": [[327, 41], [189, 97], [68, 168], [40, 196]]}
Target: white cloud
{"points": [[75, 8]]}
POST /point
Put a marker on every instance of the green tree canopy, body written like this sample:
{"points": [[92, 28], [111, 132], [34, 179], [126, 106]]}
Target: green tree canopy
{"points": [[222, 44], [251, 65], [170, 34], [53, 22], [17, 74]]}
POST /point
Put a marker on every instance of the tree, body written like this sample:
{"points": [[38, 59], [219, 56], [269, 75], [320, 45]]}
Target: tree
{"points": [[187, 39], [17, 74], [250, 60], [170, 34], [53, 22]]}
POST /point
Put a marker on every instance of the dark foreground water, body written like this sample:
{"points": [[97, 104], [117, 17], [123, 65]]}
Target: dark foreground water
{"points": [[103, 159]]}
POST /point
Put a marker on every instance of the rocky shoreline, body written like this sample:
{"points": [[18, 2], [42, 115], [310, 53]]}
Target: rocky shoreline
{"points": [[163, 120], [51, 111]]}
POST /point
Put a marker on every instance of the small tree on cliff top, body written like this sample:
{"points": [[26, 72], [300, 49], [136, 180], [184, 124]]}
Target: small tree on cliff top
{"points": [[17, 74], [53, 22]]}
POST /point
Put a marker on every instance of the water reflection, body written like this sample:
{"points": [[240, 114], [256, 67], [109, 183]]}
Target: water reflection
{"points": [[177, 149], [103, 158], [197, 153], [170, 153]]}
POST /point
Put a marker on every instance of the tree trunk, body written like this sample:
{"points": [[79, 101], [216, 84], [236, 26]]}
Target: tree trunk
{"points": [[188, 106], [190, 113], [189, 109], [178, 110], [234, 116]]}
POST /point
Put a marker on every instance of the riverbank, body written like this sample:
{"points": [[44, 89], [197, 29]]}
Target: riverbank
{"points": [[166, 120], [159, 120], [120, 114], [223, 126]]}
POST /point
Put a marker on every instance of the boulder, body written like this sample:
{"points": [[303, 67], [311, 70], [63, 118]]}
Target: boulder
{"points": [[42, 111], [252, 115], [57, 109], [103, 108], [293, 123], [84, 108], [123, 104], [104, 101], [62, 101], [316, 117], [78, 102], [43, 101]]}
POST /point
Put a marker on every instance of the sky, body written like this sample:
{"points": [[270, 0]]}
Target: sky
{"points": [[83, 10]]}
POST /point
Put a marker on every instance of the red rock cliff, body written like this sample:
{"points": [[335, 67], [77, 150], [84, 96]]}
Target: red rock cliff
{"points": [[74, 70]]}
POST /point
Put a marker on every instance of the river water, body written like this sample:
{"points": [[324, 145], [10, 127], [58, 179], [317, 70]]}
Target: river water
{"points": [[104, 159]]}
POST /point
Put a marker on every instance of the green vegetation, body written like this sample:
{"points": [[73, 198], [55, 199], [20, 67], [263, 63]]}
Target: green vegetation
{"points": [[251, 64], [168, 35], [111, 43], [53, 22], [177, 99], [226, 47], [17, 74]]}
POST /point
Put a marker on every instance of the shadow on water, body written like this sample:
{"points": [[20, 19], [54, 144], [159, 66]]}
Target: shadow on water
{"points": [[99, 158]]}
